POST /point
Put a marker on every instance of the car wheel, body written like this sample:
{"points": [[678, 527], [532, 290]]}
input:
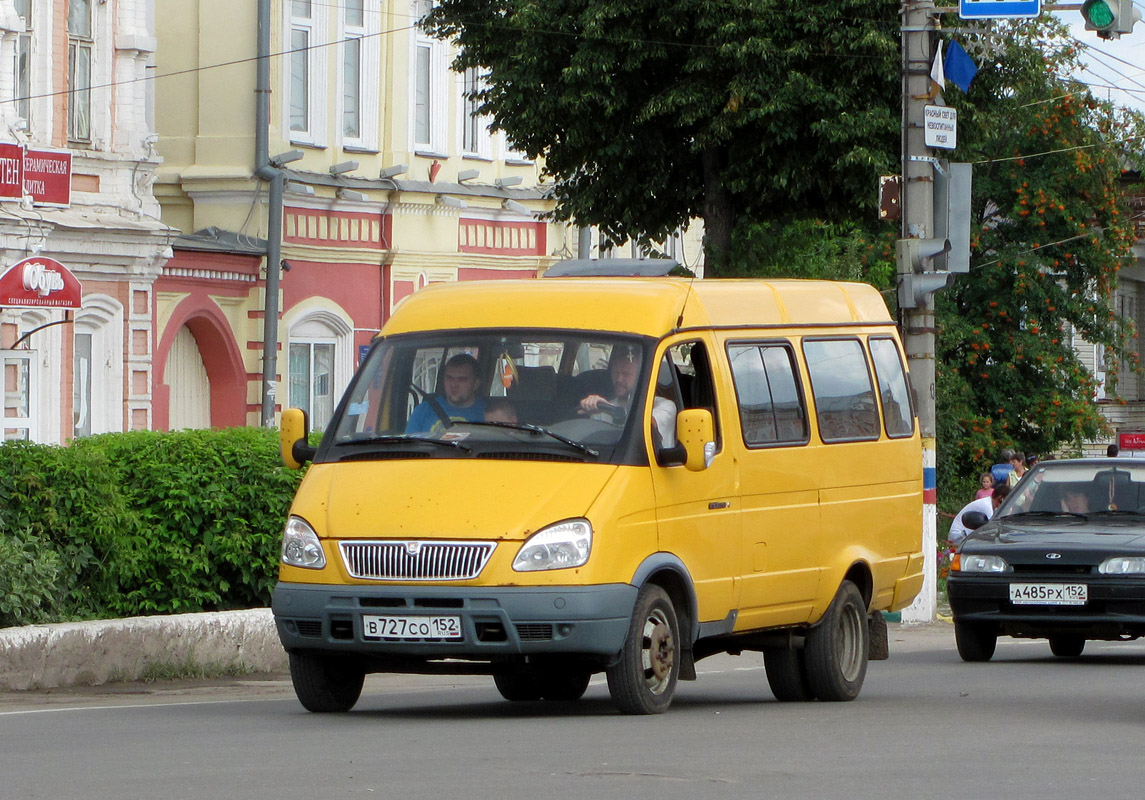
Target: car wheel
{"points": [[837, 648], [643, 680], [787, 674], [326, 684], [976, 642], [518, 686], [1067, 645]]}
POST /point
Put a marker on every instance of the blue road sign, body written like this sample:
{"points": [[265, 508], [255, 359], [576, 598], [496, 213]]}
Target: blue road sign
{"points": [[996, 9]]}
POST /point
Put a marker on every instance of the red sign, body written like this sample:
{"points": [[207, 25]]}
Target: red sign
{"points": [[48, 177], [1131, 441], [11, 171], [39, 283]]}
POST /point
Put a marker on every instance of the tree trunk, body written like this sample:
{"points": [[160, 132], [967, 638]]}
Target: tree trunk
{"points": [[719, 215]]}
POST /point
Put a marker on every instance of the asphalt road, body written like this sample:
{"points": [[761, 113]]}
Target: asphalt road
{"points": [[1026, 725]]}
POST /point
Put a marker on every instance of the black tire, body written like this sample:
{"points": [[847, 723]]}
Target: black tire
{"points": [[976, 642], [326, 684], [1068, 645], [787, 674], [837, 648], [564, 686], [518, 687], [643, 680]]}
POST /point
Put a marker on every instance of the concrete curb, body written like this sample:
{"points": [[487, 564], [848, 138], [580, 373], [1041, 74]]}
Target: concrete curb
{"points": [[94, 653]]}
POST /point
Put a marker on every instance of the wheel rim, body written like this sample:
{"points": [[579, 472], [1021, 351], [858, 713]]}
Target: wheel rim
{"points": [[658, 652], [850, 643]]}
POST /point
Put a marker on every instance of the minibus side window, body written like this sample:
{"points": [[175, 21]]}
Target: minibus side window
{"points": [[898, 416], [770, 404], [694, 377], [841, 385]]}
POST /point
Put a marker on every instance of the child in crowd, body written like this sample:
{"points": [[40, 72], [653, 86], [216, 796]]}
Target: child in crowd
{"points": [[985, 486]]}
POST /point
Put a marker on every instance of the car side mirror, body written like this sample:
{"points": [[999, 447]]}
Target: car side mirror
{"points": [[695, 431], [974, 520], [293, 435]]}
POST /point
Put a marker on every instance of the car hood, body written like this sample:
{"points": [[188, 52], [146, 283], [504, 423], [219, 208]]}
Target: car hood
{"points": [[448, 499], [1073, 539]]}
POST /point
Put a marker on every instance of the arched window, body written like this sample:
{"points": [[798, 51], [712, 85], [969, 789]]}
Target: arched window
{"points": [[320, 364], [97, 367]]}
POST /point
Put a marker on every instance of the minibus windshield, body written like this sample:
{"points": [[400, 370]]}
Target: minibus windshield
{"points": [[565, 395]]}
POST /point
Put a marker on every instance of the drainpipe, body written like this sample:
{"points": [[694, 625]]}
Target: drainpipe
{"points": [[265, 170]]}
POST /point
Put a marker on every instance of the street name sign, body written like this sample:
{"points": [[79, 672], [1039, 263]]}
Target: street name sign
{"points": [[998, 9]]}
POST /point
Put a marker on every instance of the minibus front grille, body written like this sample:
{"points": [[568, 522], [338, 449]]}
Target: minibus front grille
{"points": [[416, 560]]}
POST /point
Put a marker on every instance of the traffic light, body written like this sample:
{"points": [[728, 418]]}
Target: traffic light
{"points": [[1110, 18], [914, 284]]}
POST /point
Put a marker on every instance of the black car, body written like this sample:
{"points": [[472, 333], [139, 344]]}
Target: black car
{"points": [[1062, 559]]}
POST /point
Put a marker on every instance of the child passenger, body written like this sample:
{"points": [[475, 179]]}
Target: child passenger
{"points": [[500, 410]]}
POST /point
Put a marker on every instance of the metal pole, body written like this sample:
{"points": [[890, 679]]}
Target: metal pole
{"points": [[918, 323], [264, 170]]}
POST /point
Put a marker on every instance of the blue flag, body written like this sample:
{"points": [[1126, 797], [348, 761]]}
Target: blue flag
{"points": [[960, 67]]}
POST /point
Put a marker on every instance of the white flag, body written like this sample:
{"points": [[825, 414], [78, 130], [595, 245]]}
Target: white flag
{"points": [[937, 73]]}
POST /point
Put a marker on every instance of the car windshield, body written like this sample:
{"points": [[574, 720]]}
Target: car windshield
{"points": [[1078, 487], [463, 394]]}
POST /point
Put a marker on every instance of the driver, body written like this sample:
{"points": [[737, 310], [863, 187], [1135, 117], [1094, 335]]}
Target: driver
{"points": [[624, 370], [460, 404]]}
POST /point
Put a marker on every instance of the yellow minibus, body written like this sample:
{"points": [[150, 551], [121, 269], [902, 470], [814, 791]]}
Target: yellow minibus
{"points": [[547, 479]]}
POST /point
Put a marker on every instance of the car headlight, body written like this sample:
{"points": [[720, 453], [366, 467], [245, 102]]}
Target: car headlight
{"points": [[973, 563], [300, 545], [561, 546], [1122, 565]]}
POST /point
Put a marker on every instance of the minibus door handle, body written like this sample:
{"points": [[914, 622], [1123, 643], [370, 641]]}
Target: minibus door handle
{"points": [[717, 505]]}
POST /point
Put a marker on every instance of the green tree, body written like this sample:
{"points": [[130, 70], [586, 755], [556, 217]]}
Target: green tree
{"points": [[1050, 234], [651, 113]]}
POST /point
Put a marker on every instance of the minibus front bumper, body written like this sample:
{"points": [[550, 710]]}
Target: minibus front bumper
{"points": [[496, 623]]}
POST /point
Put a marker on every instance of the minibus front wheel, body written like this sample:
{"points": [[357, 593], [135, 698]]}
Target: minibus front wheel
{"points": [[643, 680], [326, 683]]}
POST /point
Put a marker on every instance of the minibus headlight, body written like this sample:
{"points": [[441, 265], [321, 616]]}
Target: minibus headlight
{"points": [[561, 546], [300, 545]]}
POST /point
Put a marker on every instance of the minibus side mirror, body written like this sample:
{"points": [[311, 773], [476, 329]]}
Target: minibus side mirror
{"points": [[973, 520], [695, 431], [293, 435]]}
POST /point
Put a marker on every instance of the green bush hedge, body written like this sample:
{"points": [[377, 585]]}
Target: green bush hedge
{"points": [[140, 523]]}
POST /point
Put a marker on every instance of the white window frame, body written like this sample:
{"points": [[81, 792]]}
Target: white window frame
{"points": [[474, 135], [102, 317], [437, 78], [30, 423], [46, 345], [22, 79], [81, 97], [322, 326], [317, 58], [367, 36]]}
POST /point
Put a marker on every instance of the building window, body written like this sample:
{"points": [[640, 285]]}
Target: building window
{"points": [[81, 385], [475, 138], [360, 63], [306, 74], [79, 70], [429, 77], [312, 381], [19, 394], [22, 66]]}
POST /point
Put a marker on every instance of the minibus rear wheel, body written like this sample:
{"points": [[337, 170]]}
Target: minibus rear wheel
{"points": [[326, 684], [643, 680], [787, 674], [836, 649]]}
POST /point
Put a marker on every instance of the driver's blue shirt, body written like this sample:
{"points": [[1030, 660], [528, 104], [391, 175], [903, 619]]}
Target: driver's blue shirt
{"points": [[425, 420]]}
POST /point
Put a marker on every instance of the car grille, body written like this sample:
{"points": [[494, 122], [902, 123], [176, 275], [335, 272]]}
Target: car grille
{"points": [[416, 560], [535, 631]]}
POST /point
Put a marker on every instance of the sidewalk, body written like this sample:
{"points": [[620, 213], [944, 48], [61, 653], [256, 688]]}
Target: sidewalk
{"points": [[68, 654]]}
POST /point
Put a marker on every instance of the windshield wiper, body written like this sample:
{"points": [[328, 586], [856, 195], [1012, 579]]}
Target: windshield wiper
{"points": [[517, 426], [402, 438]]}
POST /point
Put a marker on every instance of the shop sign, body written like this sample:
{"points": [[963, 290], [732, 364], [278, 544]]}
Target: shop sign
{"points": [[48, 176], [43, 175], [39, 282], [11, 171], [1131, 441]]}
